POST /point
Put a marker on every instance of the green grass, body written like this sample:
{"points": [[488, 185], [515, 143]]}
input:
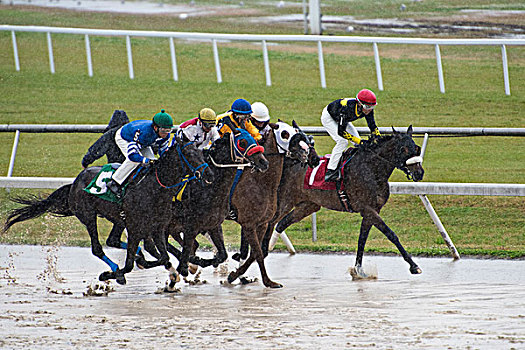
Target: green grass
{"points": [[474, 98]]}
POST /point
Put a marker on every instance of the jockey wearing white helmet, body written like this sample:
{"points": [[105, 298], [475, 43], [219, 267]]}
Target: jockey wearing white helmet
{"points": [[260, 117]]}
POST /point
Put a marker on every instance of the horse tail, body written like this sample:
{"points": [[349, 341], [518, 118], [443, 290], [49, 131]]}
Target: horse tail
{"points": [[57, 203]]}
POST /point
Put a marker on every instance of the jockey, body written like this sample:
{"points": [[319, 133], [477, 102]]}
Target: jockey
{"points": [[337, 118], [202, 130], [238, 116], [106, 145], [135, 140], [261, 118]]}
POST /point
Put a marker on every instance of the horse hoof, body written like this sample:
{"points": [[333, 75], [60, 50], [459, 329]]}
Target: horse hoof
{"points": [[121, 280], [244, 280], [358, 273], [236, 257], [193, 268], [230, 278], [274, 285], [415, 270], [106, 275]]}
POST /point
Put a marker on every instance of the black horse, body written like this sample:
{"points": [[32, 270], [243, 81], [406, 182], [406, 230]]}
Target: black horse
{"points": [[145, 209], [366, 190], [203, 209]]}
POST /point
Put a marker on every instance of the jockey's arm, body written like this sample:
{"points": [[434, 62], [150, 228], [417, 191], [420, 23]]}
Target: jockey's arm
{"points": [[253, 130]]}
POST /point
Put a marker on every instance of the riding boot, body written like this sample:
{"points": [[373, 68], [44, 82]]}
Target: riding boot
{"points": [[115, 188], [331, 175]]}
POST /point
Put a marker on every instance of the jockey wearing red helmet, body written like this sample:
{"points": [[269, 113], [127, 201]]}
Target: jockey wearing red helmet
{"points": [[337, 118]]}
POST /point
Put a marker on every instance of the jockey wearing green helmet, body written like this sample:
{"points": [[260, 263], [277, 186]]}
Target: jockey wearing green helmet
{"points": [[135, 140]]}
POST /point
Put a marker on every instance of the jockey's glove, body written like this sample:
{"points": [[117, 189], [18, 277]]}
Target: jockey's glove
{"points": [[149, 164], [352, 138], [376, 133]]}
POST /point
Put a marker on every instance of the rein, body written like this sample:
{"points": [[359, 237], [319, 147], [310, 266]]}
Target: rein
{"points": [[187, 178]]}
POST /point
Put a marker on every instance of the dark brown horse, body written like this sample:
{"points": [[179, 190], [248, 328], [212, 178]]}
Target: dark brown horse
{"points": [[145, 210], [255, 198], [294, 170], [365, 180], [204, 208]]}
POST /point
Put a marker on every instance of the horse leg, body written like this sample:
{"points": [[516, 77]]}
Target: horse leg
{"points": [[301, 211], [243, 250], [115, 237], [255, 255], [187, 249], [378, 222], [218, 241], [90, 221]]}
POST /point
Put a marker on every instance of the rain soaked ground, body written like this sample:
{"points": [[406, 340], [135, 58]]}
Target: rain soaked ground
{"points": [[48, 301]]}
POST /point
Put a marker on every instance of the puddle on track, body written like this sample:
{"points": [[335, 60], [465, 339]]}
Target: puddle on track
{"points": [[469, 303]]}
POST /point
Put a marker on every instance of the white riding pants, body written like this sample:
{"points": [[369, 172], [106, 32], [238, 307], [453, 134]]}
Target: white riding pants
{"points": [[128, 166], [340, 142]]}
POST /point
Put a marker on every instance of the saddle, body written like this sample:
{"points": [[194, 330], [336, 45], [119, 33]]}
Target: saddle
{"points": [[98, 187], [314, 178]]}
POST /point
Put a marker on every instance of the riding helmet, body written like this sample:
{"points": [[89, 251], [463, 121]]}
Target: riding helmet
{"points": [[260, 112], [241, 106], [366, 96], [163, 120], [207, 115]]}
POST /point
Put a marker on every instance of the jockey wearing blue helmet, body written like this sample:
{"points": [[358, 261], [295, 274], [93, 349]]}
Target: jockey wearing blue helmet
{"points": [[238, 116]]}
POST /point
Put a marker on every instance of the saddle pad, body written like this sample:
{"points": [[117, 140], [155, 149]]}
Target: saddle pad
{"points": [[98, 187], [314, 178]]}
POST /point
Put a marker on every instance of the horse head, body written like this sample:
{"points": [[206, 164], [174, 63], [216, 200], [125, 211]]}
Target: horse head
{"points": [[312, 158], [241, 147], [408, 155], [192, 159]]}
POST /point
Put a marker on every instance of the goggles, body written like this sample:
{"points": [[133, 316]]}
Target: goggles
{"points": [[367, 106], [168, 130], [207, 125]]}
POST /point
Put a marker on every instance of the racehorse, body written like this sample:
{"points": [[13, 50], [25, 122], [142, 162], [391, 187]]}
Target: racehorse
{"points": [[145, 209], [294, 170], [366, 190], [203, 209], [255, 198]]}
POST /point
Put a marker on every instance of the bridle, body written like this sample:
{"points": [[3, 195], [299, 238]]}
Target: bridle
{"points": [[236, 156], [196, 171], [403, 166]]}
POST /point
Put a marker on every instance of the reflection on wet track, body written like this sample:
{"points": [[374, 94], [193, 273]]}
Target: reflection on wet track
{"points": [[471, 303]]}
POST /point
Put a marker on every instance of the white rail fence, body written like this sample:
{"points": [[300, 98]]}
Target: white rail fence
{"points": [[214, 38]]}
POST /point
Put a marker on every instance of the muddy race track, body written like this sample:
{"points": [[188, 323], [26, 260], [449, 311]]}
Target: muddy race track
{"points": [[50, 299]]}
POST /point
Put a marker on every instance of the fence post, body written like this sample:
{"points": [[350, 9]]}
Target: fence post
{"points": [[173, 60], [13, 154], [50, 50], [314, 227], [321, 64], [433, 214], [266, 64], [88, 56], [217, 63], [505, 69], [378, 68], [15, 50], [130, 57], [440, 70]]}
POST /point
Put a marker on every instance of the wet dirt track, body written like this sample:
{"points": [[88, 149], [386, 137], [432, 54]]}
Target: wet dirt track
{"points": [[468, 304]]}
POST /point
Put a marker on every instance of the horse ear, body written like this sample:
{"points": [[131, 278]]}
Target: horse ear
{"points": [[410, 130], [274, 126], [279, 120], [294, 124], [394, 130]]}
